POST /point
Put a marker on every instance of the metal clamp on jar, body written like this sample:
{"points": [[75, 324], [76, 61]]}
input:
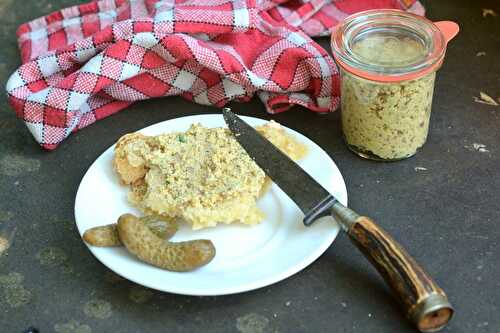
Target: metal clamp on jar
{"points": [[388, 61]]}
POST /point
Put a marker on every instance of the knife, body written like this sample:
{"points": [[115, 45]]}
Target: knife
{"points": [[423, 301]]}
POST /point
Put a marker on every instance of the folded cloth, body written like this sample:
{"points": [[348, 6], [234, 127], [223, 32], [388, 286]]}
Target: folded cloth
{"points": [[86, 62]]}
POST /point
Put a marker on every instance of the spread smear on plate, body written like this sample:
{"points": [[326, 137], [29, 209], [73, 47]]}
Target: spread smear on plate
{"points": [[201, 176]]}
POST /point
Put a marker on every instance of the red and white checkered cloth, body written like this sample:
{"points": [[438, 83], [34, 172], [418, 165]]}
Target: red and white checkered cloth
{"points": [[86, 62]]}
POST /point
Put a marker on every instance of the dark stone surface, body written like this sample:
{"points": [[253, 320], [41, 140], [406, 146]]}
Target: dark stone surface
{"points": [[446, 216]]}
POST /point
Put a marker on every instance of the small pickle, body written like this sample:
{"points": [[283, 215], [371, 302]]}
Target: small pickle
{"points": [[107, 235], [102, 236], [144, 244]]}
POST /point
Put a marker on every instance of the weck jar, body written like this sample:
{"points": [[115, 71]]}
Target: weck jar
{"points": [[388, 61]]}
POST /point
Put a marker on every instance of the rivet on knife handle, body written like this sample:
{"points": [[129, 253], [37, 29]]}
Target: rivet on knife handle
{"points": [[424, 302]]}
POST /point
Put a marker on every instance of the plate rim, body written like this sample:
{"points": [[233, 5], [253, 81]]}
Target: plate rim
{"points": [[240, 288]]}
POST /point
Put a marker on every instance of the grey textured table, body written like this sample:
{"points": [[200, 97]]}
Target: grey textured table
{"points": [[446, 215]]}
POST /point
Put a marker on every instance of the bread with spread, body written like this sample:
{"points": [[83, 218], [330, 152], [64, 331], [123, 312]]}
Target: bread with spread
{"points": [[201, 176]]}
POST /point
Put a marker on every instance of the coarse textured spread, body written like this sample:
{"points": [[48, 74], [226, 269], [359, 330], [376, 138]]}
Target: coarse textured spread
{"points": [[389, 50], [201, 176], [388, 121]]}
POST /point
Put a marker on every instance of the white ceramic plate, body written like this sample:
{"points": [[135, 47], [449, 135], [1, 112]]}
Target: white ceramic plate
{"points": [[248, 257]]}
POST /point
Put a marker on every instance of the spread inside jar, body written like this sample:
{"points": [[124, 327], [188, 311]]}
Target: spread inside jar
{"points": [[387, 49], [382, 120]]}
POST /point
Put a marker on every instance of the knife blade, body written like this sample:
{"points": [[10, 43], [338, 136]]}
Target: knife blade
{"points": [[312, 198], [423, 301]]}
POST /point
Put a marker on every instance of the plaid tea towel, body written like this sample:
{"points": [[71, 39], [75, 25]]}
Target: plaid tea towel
{"points": [[86, 62]]}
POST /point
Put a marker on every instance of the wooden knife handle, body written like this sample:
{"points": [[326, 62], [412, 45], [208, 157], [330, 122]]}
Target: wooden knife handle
{"points": [[424, 302]]}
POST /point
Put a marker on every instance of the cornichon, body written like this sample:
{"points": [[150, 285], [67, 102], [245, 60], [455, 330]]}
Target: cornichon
{"points": [[107, 235], [148, 247]]}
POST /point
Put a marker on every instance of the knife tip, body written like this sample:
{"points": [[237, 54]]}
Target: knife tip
{"points": [[228, 115]]}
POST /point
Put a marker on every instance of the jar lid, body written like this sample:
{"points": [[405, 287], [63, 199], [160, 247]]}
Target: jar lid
{"points": [[390, 45]]}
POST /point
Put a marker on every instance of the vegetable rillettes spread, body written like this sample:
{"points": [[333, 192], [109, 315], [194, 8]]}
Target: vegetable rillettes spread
{"points": [[201, 176], [387, 120]]}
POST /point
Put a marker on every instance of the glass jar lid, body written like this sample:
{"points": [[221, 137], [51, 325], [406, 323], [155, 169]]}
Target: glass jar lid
{"points": [[389, 45]]}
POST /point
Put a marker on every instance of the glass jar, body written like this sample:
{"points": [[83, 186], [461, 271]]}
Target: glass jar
{"points": [[388, 61]]}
